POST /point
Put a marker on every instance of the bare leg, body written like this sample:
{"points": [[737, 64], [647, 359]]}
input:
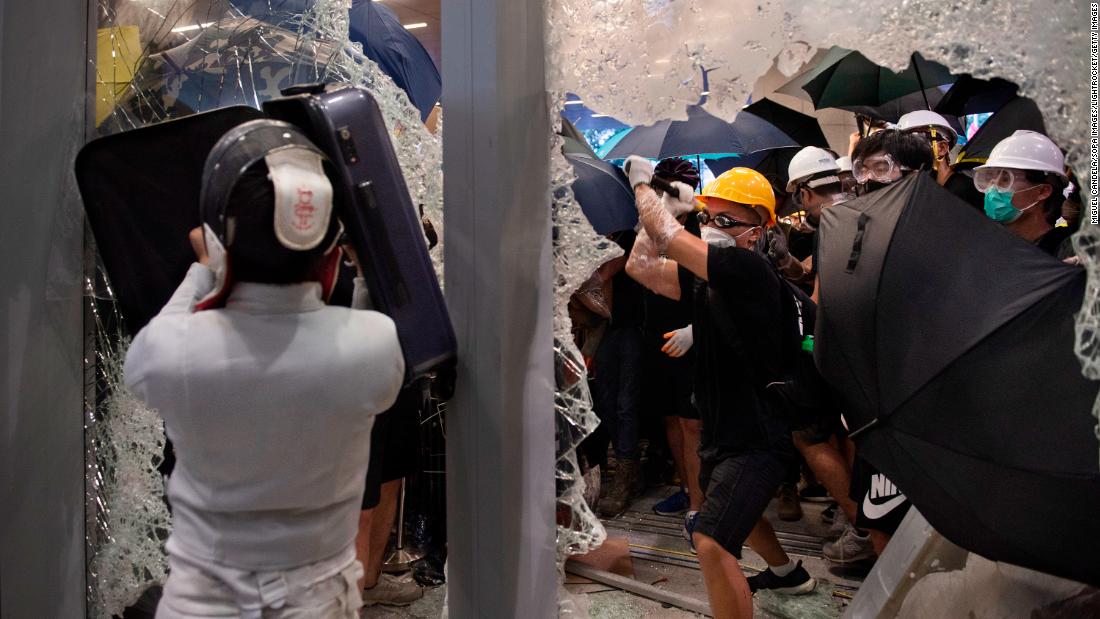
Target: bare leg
{"points": [[362, 541], [676, 445], [831, 469], [381, 526], [727, 589], [691, 430], [878, 540], [762, 539]]}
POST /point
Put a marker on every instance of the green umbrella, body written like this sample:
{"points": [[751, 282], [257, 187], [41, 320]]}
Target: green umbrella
{"points": [[845, 78]]}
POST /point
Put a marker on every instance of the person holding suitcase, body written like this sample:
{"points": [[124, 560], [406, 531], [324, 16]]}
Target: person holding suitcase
{"points": [[267, 393]]}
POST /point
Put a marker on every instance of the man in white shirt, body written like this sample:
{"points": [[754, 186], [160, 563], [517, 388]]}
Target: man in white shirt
{"points": [[267, 393]]}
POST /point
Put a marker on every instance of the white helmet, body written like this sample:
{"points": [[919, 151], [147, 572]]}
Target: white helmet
{"points": [[1027, 150], [921, 119], [845, 164], [808, 162]]}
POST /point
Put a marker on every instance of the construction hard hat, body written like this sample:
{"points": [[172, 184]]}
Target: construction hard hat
{"points": [[845, 164], [808, 162], [1027, 150], [743, 186], [925, 119]]}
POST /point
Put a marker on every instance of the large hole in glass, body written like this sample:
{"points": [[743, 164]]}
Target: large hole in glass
{"points": [[607, 116]]}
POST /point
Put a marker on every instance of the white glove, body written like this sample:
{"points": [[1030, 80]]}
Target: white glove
{"points": [[679, 204], [638, 170], [679, 342]]}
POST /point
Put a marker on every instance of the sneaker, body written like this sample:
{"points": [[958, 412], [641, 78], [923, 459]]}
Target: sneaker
{"points": [[815, 493], [390, 591], [689, 528], [795, 583], [840, 524], [789, 508], [850, 547], [676, 504], [829, 513]]}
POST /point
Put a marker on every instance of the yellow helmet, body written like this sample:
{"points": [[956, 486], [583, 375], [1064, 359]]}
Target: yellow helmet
{"points": [[743, 186]]}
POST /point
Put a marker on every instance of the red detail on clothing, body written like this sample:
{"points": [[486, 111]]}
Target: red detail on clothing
{"points": [[304, 210]]}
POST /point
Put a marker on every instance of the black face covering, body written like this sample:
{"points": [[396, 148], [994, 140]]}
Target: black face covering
{"points": [[815, 220], [870, 186]]}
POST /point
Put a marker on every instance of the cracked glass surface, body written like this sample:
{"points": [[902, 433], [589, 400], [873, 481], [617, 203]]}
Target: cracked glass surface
{"points": [[157, 60], [641, 61]]}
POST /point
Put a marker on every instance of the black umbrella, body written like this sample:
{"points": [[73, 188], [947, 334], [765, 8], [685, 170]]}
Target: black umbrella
{"points": [[893, 110], [772, 163], [951, 342], [1018, 113], [970, 95], [701, 133], [803, 128]]}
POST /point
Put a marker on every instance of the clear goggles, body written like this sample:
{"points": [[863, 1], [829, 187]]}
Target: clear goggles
{"points": [[879, 168], [1002, 179]]}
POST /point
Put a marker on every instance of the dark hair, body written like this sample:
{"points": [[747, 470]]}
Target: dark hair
{"points": [[908, 150], [1052, 206], [255, 254], [678, 169]]}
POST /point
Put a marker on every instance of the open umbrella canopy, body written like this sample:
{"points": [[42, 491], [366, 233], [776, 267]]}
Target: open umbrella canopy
{"points": [[1017, 113], [601, 189], [848, 78], [772, 163], [970, 95], [951, 342], [802, 128], [373, 25], [701, 133]]}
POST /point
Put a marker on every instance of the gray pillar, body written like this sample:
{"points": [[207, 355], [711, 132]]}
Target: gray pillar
{"points": [[43, 69], [500, 425]]}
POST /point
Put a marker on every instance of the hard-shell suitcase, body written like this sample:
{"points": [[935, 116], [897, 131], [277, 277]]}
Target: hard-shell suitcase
{"points": [[378, 216]]}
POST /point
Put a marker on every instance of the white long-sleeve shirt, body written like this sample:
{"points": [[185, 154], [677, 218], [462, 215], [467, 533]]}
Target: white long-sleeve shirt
{"points": [[269, 403]]}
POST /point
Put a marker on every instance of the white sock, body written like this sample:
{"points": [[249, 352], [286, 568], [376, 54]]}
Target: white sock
{"points": [[783, 570]]}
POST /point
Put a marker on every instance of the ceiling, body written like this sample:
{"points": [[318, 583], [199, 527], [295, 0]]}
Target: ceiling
{"points": [[416, 11]]}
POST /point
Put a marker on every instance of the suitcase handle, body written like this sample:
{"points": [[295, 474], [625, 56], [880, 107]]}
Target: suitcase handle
{"points": [[313, 88]]}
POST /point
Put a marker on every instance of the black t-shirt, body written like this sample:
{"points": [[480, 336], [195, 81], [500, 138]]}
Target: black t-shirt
{"points": [[963, 187], [738, 329], [801, 244]]}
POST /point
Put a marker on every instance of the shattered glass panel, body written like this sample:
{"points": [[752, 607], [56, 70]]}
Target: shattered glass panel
{"points": [[642, 61], [578, 251], [163, 59], [127, 517]]}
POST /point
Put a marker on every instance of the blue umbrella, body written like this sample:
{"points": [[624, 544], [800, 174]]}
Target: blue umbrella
{"points": [[603, 193], [397, 51], [702, 132]]}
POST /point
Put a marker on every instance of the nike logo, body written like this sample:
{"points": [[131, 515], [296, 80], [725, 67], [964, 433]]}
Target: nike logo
{"points": [[874, 511]]}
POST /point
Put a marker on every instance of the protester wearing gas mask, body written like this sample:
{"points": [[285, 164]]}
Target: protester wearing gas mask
{"points": [[746, 448], [1023, 181], [268, 394]]}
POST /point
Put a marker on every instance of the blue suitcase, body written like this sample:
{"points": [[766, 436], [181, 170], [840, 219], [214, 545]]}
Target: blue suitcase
{"points": [[379, 219]]}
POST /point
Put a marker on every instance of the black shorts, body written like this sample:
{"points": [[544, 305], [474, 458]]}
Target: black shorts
{"points": [[394, 445], [667, 383], [880, 505], [820, 428], [736, 492]]}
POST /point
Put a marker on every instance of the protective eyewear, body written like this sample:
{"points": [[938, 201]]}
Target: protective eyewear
{"points": [[1002, 179], [879, 168], [721, 220]]}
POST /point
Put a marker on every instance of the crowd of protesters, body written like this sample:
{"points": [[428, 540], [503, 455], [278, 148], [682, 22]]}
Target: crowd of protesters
{"points": [[689, 332]]}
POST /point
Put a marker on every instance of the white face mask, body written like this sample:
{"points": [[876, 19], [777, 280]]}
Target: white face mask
{"points": [[715, 237]]}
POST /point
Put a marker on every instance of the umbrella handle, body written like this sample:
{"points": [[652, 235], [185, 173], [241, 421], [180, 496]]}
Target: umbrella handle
{"points": [[659, 183]]}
